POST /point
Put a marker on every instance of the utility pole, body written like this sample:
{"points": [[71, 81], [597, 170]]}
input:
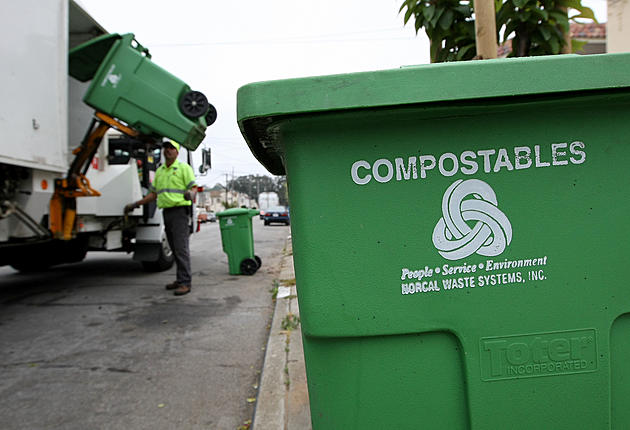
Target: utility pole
{"points": [[233, 181], [226, 191], [566, 49], [485, 29]]}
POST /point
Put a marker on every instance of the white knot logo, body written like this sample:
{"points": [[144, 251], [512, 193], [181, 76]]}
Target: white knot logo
{"points": [[453, 237]]}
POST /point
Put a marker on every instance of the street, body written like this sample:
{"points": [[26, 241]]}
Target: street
{"points": [[102, 345]]}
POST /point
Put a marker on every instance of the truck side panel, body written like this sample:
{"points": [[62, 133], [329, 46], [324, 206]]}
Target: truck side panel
{"points": [[34, 77]]}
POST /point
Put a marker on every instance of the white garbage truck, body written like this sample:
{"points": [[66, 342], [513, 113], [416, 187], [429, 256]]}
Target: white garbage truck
{"points": [[267, 200], [66, 169]]}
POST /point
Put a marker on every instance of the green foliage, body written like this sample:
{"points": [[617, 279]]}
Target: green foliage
{"points": [[274, 289], [290, 322], [227, 205], [448, 24], [577, 45], [536, 26]]}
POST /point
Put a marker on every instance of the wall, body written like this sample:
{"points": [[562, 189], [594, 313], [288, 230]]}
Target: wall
{"points": [[618, 26]]}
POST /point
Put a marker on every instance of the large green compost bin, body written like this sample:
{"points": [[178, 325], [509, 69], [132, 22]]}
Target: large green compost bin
{"points": [[237, 237], [127, 85], [460, 239]]}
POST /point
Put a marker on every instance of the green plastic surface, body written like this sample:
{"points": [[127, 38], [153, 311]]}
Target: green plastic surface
{"points": [[261, 103], [85, 59], [237, 236], [483, 288], [129, 86]]}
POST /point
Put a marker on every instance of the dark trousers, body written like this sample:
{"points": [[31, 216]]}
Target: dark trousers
{"points": [[177, 232]]}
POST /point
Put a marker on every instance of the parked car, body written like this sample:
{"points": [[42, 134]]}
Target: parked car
{"points": [[202, 216], [277, 214], [262, 214], [212, 217]]}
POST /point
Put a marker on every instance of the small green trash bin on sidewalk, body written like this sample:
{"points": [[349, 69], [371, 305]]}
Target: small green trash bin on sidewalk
{"points": [[237, 236], [460, 239], [127, 85]]}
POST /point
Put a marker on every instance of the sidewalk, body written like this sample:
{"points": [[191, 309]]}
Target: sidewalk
{"points": [[282, 402]]}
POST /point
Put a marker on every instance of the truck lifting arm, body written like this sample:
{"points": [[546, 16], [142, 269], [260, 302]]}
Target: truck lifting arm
{"points": [[75, 184]]}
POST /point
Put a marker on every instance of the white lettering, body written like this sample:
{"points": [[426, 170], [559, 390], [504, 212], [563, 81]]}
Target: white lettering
{"points": [[468, 162], [453, 158], [416, 274], [419, 287], [354, 172], [538, 162], [390, 170], [577, 148], [486, 153], [412, 169], [423, 167], [522, 161], [471, 166], [503, 161], [556, 154]]}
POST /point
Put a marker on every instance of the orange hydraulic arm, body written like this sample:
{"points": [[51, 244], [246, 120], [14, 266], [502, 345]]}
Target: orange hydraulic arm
{"points": [[63, 203]]}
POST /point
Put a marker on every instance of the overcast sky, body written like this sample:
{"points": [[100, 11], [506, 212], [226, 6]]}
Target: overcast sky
{"points": [[218, 46]]}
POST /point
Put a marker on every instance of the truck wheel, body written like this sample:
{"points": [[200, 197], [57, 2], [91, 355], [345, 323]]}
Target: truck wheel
{"points": [[194, 104], [75, 250], [249, 266], [165, 260]]}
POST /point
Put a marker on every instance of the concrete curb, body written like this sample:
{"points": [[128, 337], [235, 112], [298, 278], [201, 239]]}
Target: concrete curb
{"points": [[282, 401]]}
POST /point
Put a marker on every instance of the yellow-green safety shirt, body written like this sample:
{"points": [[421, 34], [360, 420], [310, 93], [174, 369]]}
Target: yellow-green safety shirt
{"points": [[171, 183]]}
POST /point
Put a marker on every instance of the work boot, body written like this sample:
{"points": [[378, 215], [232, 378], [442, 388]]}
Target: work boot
{"points": [[172, 285], [181, 290]]}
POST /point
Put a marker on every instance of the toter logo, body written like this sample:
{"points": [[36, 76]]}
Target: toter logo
{"points": [[471, 201]]}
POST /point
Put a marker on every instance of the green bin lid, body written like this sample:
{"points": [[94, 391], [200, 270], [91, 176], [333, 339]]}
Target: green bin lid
{"points": [[237, 211], [260, 104], [85, 59]]}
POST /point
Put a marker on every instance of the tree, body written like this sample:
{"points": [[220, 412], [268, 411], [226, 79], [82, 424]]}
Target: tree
{"points": [[253, 185], [448, 24], [537, 26]]}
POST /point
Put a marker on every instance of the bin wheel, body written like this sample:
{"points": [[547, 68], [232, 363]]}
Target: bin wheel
{"points": [[258, 261], [211, 115], [193, 104], [249, 266]]}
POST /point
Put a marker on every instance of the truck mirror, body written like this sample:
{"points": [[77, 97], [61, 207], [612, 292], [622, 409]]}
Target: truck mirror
{"points": [[206, 162]]}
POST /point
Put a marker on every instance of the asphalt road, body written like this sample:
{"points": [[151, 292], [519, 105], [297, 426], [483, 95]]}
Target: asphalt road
{"points": [[102, 345]]}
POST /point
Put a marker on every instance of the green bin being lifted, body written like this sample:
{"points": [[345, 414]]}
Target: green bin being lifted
{"points": [[460, 239], [237, 237], [127, 85]]}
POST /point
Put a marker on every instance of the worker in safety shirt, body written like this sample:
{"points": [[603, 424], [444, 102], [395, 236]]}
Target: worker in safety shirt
{"points": [[174, 188]]}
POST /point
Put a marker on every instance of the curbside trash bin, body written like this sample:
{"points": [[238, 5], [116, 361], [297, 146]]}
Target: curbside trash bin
{"points": [[126, 84], [237, 236], [472, 276]]}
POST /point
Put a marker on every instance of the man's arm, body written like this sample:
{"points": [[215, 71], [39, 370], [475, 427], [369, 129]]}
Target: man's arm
{"points": [[191, 193], [191, 186], [143, 201]]}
